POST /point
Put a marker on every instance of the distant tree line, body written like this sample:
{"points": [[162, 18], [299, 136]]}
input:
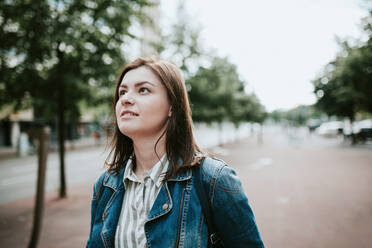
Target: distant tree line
{"points": [[217, 94], [343, 89], [345, 86], [297, 116]]}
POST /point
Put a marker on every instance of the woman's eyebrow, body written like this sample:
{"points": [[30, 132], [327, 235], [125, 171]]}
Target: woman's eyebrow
{"points": [[138, 84]]}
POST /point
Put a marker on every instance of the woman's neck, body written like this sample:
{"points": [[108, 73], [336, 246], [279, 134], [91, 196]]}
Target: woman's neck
{"points": [[145, 154]]}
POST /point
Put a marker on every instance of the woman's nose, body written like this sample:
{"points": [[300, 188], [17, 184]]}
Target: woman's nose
{"points": [[127, 99]]}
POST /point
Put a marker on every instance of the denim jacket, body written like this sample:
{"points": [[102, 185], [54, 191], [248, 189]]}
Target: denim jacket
{"points": [[176, 219]]}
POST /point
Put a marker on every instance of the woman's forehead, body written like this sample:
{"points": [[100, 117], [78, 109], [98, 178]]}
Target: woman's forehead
{"points": [[140, 74]]}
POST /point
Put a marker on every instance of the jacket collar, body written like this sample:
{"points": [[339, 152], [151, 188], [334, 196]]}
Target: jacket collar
{"points": [[185, 175], [115, 181]]}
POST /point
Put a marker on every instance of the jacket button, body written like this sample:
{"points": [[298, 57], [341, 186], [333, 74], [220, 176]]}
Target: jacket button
{"points": [[105, 215], [165, 206]]}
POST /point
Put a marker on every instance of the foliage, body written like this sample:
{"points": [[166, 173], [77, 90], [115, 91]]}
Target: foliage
{"points": [[182, 45], [61, 51], [217, 94], [345, 87], [247, 108]]}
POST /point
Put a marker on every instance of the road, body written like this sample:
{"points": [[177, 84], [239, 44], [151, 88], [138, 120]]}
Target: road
{"points": [[305, 191], [18, 175]]}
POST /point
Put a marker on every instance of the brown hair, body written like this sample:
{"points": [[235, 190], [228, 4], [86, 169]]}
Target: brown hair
{"points": [[182, 151]]}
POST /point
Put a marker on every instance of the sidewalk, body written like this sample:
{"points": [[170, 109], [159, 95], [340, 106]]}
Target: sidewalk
{"points": [[304, 195], [11, 152], [65, 221]]}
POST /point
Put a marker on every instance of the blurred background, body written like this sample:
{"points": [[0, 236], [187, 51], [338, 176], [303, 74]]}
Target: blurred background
{"points": [[281, 90]]}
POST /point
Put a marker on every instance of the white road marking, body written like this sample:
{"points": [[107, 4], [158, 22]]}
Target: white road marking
{"points": [[261, 163], [16, 180], [283, 200]]}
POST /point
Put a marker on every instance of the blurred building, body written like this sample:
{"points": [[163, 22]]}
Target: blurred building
{"points": [[12, 124], [16, 129]]}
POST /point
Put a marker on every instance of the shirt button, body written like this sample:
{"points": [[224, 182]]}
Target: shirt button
{"points": [[165, 206], [105, 215]]}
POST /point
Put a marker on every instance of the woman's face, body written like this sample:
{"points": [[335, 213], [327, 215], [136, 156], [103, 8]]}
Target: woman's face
{"points": [[143, 106]]}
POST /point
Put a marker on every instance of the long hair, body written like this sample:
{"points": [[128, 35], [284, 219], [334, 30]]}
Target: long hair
{"points": [[181, 148]]}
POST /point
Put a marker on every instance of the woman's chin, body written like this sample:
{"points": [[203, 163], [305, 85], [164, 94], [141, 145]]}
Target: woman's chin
{"points": [[129, 131]]}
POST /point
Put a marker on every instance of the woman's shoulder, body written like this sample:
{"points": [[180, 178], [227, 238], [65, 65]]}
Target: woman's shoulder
{"points": [[211, 166], [218, 173]]}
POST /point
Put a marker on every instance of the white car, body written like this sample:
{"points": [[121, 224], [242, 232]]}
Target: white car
{"points": [[332, 128], [362, 130]]}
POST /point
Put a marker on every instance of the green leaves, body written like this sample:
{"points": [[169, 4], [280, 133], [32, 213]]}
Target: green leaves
{"points": [[345, 87], [50, 47], [217, 94]]}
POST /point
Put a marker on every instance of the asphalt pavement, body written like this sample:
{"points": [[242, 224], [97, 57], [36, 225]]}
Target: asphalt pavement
{"points": [[305, 191], [18, 175]]}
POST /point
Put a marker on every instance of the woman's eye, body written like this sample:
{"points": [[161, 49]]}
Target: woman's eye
{"points": [[122, 92], [143, 90]]}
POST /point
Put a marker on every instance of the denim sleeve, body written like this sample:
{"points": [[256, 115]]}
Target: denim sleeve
{"points": [[96, 194], [233, 217]]}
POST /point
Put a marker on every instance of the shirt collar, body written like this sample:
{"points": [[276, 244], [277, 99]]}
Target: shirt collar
{"points": [[156, 173], [129, 173]]}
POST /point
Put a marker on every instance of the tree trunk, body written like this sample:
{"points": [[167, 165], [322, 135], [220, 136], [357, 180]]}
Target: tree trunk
{"points": [[43, 136], [61, 142]]}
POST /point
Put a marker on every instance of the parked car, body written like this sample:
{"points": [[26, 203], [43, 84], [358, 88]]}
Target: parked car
{"points": [[332, 128], [362, 130], [313, 124]]}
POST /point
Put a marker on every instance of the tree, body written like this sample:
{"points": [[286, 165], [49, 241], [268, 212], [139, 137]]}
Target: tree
{"points": [[345, 87], [182, 45], [212, 91], [55, 53], [247, 108], [217, 94]]}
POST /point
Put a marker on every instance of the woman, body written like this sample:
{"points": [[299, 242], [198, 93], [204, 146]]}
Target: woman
{"points": [[148, 196]]}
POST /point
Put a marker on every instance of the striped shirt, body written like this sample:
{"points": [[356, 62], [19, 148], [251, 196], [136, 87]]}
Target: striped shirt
{"points": [[138, 200]]}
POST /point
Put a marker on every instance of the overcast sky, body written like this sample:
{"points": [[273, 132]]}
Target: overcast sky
{"points": [[278, 46]]}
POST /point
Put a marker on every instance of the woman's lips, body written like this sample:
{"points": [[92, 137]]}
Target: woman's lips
{"points": [[128, 114]]}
